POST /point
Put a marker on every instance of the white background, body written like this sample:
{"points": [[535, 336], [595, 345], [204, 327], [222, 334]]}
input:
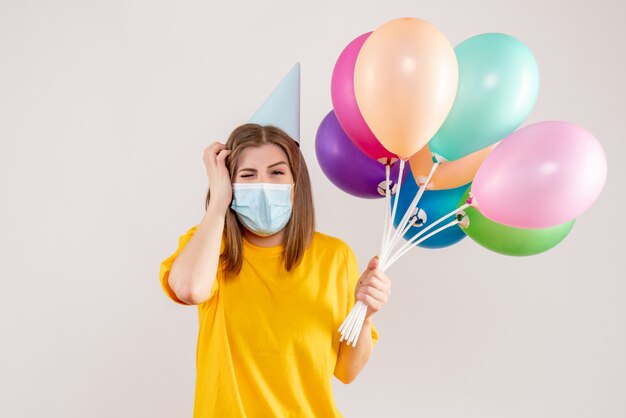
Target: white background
{"points": [[105, 108]]}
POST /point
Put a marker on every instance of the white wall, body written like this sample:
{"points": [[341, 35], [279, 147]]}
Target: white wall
{"points": [[105, 108]]}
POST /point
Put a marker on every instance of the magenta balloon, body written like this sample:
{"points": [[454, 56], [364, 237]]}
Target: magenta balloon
{"points": [[540, 176], [345, 106]]}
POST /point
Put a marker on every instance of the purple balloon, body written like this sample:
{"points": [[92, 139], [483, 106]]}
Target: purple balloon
{"points": [[349, 168]]}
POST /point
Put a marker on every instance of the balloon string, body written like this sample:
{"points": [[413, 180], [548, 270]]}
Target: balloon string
{"points": [[404, 231], [384, 235], [417, 236], [393, 213], [352, 324], [358, 324], [419, 241], [348, 323], [409, 211], [408, 226]]}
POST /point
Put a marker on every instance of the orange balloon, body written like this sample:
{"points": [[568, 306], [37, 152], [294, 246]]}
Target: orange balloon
{"points": [[405, 82], [449, 174]]}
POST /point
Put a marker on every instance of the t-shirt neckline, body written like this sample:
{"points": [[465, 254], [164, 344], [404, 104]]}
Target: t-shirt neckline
{"points": [[262, 251]]}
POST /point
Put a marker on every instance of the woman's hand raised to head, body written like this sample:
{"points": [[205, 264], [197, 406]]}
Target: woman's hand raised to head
{"points": [[220, 185]]}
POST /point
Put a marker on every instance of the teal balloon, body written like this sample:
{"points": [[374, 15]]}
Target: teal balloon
{"points": [[498, 88]]}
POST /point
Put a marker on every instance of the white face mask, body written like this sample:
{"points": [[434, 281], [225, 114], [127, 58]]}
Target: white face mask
{"points": [[263, 208]]}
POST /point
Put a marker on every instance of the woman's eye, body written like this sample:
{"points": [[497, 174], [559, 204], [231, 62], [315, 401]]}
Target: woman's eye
{"points": [[246, 175], [277, 172]]}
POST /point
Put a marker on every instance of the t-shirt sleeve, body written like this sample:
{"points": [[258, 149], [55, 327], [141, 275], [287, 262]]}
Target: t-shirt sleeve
{"points": [[354, 275], [166, 266]]}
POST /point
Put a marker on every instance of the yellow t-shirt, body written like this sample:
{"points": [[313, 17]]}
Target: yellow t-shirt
{"points": [[268, 340]]}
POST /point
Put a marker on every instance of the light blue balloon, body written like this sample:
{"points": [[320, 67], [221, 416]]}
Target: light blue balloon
{"points": [[432, 205], [498, 88]]}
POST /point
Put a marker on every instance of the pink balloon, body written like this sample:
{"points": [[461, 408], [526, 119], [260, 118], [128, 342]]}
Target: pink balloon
{"points": [[345, 105], [540, 176]]}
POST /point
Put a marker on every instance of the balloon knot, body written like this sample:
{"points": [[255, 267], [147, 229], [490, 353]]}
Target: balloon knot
{"points": [[436, 158]]}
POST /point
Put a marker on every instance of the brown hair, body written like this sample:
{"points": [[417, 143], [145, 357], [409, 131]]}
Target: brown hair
{"points": [[301, 226]]}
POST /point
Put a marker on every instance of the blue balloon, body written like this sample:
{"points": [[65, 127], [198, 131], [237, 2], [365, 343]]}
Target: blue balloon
{"points": [[432, 205]]}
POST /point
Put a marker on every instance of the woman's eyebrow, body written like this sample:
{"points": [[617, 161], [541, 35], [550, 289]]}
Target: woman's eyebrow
{"points": [[278, 163], [255, 170]]}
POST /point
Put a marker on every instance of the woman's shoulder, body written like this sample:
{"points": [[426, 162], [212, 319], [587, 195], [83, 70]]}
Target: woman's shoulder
{"points": [[330, 242]]}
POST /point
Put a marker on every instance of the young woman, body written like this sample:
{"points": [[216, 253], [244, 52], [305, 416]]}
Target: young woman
{"points": [[271, 291]]}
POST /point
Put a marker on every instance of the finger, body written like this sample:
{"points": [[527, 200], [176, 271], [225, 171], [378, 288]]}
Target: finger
{"points": [[376, 283], [377, 273], [217, 144], [214, 147], [220, 160], [221, 156], [370, 301], [376, 293], [379, 285], [374, 263], [211, 155]]}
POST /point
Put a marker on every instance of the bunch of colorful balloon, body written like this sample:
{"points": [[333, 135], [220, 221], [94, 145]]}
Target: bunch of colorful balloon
{"points": [[402, 94]]}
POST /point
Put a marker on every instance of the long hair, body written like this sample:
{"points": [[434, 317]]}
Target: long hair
{"points": [[301, 226]]}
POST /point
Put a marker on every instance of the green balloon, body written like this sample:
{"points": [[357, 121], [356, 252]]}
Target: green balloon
{"points": [[508, 240], [497, 90]]}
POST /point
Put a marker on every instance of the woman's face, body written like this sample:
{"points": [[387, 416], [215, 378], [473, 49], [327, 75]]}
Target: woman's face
{"points": [[267, 163], [264, 164]]}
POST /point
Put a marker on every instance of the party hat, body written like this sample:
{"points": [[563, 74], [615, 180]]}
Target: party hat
{"points": [[282, 107]]}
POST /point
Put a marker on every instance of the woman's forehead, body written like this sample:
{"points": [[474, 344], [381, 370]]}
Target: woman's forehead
{"points": [[261, 156]]}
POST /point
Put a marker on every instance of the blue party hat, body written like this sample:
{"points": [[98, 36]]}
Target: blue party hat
{"points": [[282, 107]]}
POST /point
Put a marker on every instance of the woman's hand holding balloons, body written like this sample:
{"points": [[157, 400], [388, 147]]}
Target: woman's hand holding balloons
{"points": [[373, 288]]}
